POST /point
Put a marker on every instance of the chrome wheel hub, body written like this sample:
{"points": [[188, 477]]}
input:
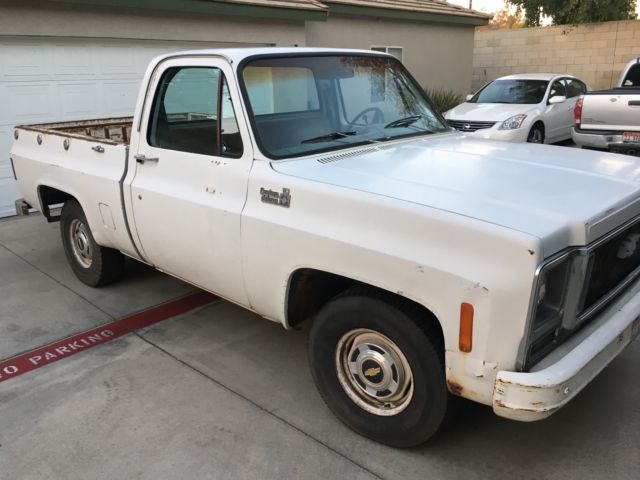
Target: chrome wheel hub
{"points": [[373, 372], [80, 243]]}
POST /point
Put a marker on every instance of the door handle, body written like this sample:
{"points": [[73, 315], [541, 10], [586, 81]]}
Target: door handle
{"points": [[143, 158]]}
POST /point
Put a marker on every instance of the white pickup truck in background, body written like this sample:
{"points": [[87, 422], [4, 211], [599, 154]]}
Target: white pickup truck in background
{"points": [[322, 184], [610, 119]]}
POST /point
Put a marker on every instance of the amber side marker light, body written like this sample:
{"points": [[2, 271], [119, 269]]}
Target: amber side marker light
{"points": [[465, 341]]}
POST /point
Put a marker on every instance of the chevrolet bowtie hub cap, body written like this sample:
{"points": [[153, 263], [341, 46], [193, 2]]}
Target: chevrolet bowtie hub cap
{"points": [[373, 372]]}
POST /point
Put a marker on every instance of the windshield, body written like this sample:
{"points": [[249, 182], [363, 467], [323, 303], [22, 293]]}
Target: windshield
{"points": [[512, 91], [311, 104]]}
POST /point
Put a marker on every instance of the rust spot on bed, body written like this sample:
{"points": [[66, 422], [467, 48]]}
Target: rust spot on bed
{"points": [[110, 131]]}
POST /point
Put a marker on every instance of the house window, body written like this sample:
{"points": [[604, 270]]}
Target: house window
{"points": [[395, 51]]}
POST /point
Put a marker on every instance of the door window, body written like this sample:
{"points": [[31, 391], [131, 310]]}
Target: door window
{"points": [[574, 87], [557, 89], [192, 112]]}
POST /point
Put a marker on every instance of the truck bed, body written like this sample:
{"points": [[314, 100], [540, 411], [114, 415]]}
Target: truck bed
{"points": [[614, 110], [87, 160], [112, 131]]}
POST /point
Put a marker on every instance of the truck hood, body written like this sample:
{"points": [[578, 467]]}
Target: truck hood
{"points": [[488, 112], [563, 196]]}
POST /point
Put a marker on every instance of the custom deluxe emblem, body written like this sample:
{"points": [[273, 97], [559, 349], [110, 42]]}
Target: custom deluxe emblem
{"points": [[271, 196], [372, 372]]}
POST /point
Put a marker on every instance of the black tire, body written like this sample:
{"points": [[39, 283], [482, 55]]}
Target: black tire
{"points": [[413, 333], [101, 265], [536, 134]]}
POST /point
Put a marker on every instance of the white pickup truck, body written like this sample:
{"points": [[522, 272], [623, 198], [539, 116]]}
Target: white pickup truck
{"points": [[321, 184], [610, 119]]}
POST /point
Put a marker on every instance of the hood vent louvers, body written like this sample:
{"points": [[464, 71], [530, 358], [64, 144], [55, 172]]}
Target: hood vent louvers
{"points": [[342, 156]]}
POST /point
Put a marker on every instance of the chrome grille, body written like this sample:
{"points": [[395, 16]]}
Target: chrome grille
{"points": [[612, 265], [469, 126], [582, 281]]}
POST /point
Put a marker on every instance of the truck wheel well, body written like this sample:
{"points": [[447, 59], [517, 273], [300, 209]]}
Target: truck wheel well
{"points": [[49, 197], [310, 289]]}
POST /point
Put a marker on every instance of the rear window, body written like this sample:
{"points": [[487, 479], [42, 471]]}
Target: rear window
{"points": [[632, 78]]}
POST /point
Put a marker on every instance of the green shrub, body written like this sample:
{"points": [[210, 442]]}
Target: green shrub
{"points": [[444, 99]]}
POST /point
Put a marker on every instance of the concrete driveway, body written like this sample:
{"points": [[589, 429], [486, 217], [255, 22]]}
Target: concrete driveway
{"points": [[220, 393]]}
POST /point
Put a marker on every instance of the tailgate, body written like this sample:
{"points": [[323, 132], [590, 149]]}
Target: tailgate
{"points": [[612, 110]]}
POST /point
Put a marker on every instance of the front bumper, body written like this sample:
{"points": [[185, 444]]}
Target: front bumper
{"points": [[558, 378]]}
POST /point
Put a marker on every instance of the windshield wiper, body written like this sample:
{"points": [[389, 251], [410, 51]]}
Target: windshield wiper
{"points": [[403, 122], [328, 137]]}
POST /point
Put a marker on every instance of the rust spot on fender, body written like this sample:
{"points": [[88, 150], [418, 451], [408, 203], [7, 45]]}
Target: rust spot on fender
{"points": [[455, 387], [531, 252]]}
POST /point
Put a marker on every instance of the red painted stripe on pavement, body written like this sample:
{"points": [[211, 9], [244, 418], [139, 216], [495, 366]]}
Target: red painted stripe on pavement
{"points": [[39, 357]]}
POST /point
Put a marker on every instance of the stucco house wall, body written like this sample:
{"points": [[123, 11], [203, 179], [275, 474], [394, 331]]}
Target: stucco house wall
{"points": [[28, 17], [438, 55]]}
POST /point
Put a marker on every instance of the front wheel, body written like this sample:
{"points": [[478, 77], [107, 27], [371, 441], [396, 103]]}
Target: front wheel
{"points": [[536, 134], [92, 264], [378, 368]]}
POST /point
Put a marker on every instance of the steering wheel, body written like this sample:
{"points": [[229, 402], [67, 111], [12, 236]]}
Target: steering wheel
{"points": [[378, 117]]}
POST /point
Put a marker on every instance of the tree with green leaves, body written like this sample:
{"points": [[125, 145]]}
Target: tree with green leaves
{"points": [[575, 11]]}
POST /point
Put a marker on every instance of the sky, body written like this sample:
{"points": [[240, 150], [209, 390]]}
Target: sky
{"points": [[488, 6], [491, 6]]}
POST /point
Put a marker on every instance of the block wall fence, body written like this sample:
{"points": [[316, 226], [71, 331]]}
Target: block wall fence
{"points": [[594, 52]]}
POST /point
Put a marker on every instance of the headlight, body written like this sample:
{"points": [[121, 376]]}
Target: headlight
{"points": [[552, 289], [512, 123], [554, 305]]}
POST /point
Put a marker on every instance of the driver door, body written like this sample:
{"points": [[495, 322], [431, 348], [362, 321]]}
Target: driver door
{"points": [[191, 173], [560, 115]]}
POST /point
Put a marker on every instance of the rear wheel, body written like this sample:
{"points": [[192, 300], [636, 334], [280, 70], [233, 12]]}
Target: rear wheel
{"points": [[92, 264], [378, 367]]}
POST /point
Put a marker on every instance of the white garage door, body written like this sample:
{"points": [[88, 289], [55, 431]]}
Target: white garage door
{"points": [[53, 79]]}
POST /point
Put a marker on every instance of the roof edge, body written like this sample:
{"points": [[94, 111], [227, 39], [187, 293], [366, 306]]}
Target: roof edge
{"points": [[472, 18], [211, 8]]}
